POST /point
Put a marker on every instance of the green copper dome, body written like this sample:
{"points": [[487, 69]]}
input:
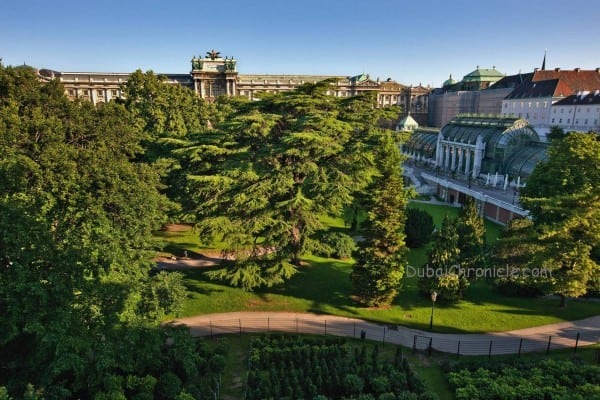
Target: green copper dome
{"points": [[449, 82], [483, 75]]}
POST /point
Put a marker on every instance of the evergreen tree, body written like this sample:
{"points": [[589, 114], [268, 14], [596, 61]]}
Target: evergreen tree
{"points": [[471, 236], [260, 181], [442, 273], [419, 227], [381, 257]]}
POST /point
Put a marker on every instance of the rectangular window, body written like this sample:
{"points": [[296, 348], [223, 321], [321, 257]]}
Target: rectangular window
{"points": [[569, 121], [71, 92], [113, 93], [560, 121], [552, 120], [86, 92], [100, 92]]}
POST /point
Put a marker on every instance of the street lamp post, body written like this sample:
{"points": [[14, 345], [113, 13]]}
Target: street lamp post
{"points": [[433, 299]]}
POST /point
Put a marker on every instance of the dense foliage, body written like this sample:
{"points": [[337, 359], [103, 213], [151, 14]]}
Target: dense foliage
{"points": [[456, 256], [562, 240], [292, 367], [418, 228], [260, 180], [77, 211], [546, 379], [336, 244], [381, 256]]}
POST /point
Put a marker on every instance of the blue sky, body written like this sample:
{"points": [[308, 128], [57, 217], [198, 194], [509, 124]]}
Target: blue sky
{"points": [[412, 42]]}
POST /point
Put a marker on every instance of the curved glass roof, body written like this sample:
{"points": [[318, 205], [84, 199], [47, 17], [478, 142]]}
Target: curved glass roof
{"points": [[422, 143], [524, 160], [495, 131]]}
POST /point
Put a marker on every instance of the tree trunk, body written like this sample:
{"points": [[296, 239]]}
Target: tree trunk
{"points": [[563, 301]]}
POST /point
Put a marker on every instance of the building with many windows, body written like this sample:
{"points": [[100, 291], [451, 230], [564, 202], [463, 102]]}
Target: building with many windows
{"points": [[475, 93], [535, 99], [212, 76], [488, 158], [579, 112]]}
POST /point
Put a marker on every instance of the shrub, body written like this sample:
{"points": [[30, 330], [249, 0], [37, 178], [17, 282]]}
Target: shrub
{"points": [[418, 228], [168, 386], [337, 244], [449, 287]]}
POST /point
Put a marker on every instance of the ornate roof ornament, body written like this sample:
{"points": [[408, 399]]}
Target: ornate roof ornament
{"points": [[213, 54]]}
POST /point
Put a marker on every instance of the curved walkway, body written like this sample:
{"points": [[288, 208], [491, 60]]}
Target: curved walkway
{"points": [[560, 335]]}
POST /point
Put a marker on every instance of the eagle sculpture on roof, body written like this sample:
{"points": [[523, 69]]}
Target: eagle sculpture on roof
{"points": [[213, 54]]}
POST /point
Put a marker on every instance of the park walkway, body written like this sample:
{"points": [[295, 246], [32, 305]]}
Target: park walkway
{"points": [[570, 334]]}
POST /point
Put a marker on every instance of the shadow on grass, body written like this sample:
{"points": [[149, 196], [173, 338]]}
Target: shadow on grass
{"points": [[194, 280], [325, 283]]}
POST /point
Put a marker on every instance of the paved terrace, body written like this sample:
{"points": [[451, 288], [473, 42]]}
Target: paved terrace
{"points": [[510, 195]]}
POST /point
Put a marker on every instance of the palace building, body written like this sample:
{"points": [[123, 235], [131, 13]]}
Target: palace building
{"points": [[212, 76]]}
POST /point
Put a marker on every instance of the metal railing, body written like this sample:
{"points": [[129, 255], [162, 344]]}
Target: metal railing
{"points": [[458, 344]]}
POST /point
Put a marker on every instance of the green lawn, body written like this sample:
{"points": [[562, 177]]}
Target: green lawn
{"points": [[323, 286], [492, 229]]}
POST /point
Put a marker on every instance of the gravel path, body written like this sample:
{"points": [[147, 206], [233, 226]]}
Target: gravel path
{"points": [[554, 336]]}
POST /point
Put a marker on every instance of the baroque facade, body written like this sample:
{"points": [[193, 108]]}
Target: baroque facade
{"points": [[212, 76]]}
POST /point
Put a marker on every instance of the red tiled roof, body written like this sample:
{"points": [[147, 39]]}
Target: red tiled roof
{"points": [[574, 79], [562, 89]]}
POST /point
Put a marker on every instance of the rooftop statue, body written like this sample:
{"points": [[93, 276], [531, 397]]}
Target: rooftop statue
{"points": [[213, 54]]}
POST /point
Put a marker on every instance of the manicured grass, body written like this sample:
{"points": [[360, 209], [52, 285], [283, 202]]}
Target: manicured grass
{"points": [[176, 239], [324, 286], [492, 230]]}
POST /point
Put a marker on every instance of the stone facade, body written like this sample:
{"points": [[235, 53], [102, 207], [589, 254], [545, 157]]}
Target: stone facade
{"points": [[212, 76]]}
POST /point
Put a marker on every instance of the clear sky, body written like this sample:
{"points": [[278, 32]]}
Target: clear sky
{"points": [[416, 41]]}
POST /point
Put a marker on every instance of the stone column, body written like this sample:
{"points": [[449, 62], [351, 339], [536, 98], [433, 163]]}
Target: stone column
{"points": [[453, 164], [468, 164], [460, 159], [202, 89], [439, 152], [447, 159], [479, 148]]}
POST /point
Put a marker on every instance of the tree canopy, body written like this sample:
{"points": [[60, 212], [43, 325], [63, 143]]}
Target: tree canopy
{"points": [[76, 215], [381, 257], [563, 196], [260, 180]]}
